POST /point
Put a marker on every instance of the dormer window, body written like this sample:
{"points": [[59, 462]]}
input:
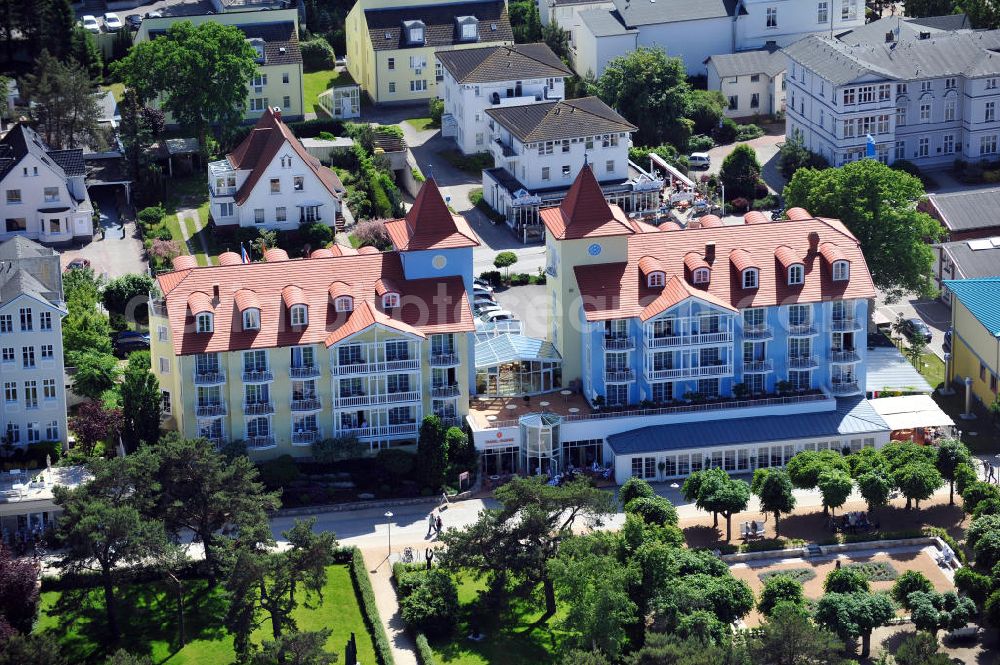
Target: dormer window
{"points": [[841, 271], [204, 323], [414, 31], [796, 274], [251, 319], [390, 300], [750, 278], [701, 276], [299, 315], [656, 280], [344, 304]]}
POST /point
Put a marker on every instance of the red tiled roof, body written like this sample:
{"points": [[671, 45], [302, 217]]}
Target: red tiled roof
{"points": [[797, 214], [755, 217], [786, 255], [364, 317], [293, 295], [229, 259], [742, 259], [694, 260], [199, 302], [259, 148], [831, 252], [430, 225], [676, 291], [585, 213], [648, 264], [184, 261], [246, 299], [275, 254], [438, 305], [617, 290]]}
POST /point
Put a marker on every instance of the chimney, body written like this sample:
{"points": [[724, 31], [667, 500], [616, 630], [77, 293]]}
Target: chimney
{"points": [[709, 252], [277, 112], [215, 293]]}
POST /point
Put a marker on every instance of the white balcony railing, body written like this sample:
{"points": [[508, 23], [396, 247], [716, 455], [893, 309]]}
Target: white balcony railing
{"points": [[210, 409], [209, 377], [844, 356], [304, 372], [380, 367], [306, 404], [258, 376], [725, 369], [375, 431], [444, 359], [376, 398], [619, 375], [689, 340], [803, 362]]}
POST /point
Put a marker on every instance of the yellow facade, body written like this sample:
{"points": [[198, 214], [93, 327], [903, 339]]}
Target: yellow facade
{"points": [[437, 379], [975, 353]]}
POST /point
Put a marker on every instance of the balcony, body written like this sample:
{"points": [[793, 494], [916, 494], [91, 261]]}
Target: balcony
{"points": [[380, 367], [258, 408], [258, 376], [845, 324], [757, 366], [619, 376], [375, 431], [758, 332], [689, 340], [304, 372], [445, 391], [375, 399], [802, 330], [844, 356], [210, 409], [701, 371], [306, 404], [260, 442], [841, 388], [619, 342], [444, 359], [210, 377], [305, 438], [803, 362]]}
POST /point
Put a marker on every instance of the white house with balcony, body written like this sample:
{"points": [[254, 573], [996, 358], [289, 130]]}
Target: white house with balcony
{"points": [[929, 97], [495, 76], [271, 181], [44, 196]]}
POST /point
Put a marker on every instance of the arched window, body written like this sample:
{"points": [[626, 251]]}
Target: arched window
{"points": [[344, 304], [750, 278], [841, 271], [796, 274], [251, 319], [655, 280], [205, 323], [702, 276], [299, 315]]}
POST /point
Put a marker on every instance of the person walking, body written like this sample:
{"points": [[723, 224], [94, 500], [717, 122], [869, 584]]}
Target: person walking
{"points": [[438, 525], [431, 524]]}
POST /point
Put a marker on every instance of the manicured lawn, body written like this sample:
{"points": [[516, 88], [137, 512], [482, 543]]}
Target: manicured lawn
{"points": [[420, 124], [314, 83], [148, 617], [513, 638]]}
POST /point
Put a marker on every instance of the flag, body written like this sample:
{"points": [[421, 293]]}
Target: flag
{"points": [[243, 254]]}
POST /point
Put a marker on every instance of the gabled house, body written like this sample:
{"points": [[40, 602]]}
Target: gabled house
{"points": [[481, 78], [391, 44], [271, 181], [44, 196]]}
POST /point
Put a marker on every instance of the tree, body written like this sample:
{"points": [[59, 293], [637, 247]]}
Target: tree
{"points": [[296, 648], [845, 580], [432, 452], [18, 591], [202, 492], [834, 486], [774, 489], [201, 71], [740, 172], [653, 510], [127, 295], [634, 488], [780, 589], [504, 260], [521, 536], [788, 637], [141, 400], [62, 102], [917, 481], [933, 611], [876, 203], [909, 582], [95, 373], [94, 423], [651, 91], [874, 488], [920, 648], [853, 615], [950, 454], [85, 53]]}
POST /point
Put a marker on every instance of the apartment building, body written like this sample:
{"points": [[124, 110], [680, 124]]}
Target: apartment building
{"points": [[33, 408], [728, 346], [44, 196], [495, 76], [927, 97], [391, 44], [346, 343], [539, 149], [274, 35], [271, 181]]}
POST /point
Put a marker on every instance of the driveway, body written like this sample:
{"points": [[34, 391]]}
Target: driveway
{"points": [[112, 255]]}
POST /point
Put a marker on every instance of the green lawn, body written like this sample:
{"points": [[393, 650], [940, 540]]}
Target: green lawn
{"points": [[314, 83], [420, 124], [149, 623], [513, 638]]}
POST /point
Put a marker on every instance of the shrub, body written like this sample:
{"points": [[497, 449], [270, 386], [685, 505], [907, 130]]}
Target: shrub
{"points": [[369, 610], [634, 488], [748, 132], [432, 606], [279, 472], [700, 143], [317, 55]]}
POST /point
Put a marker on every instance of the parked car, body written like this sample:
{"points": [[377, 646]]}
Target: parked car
{"points": [[78, 264], [90, 24], [112, 22], [914, 327], [699, 160], [133, 21]]}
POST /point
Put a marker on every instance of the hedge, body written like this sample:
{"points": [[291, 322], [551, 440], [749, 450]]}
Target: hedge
{"points": [[369, 610]]}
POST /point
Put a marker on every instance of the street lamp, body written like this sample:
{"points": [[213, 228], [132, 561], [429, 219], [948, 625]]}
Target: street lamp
{"points": [[388, 524]]}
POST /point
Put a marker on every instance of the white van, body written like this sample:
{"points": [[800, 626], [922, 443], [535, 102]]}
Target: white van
{"points": [[699, 160]]}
